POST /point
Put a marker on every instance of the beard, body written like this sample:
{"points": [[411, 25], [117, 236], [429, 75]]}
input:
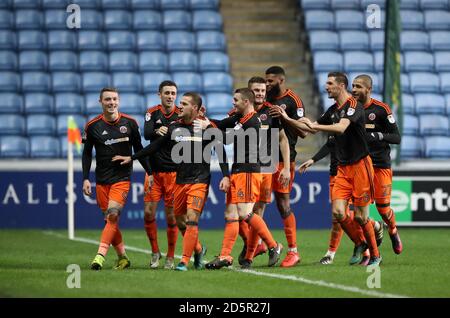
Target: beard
{"points": [[273, 93]]}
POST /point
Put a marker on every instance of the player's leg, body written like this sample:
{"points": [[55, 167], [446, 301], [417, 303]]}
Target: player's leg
{"points": [[255, 244], [151, 198], [172, 229]]}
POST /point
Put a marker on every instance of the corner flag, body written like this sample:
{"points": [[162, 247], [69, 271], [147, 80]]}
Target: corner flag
{"points": [[73, 133]]}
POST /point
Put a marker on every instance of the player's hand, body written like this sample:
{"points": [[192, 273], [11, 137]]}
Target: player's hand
{"points": [[150, 184], [123, 159], [278, 112], [201, 124], [162, 130], [87, 190], [225, 184], [305, 166], [285, 176]]}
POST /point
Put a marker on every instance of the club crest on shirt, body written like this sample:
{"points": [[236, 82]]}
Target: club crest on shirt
{"points": [[283, 106], [263, 117], [300, 112], [240, 194], [350, 111], [123, 129], [391, 119], [372, 116], [148, 116]]}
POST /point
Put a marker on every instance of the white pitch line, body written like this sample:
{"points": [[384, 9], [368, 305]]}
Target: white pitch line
{"points": [[321, 283]]}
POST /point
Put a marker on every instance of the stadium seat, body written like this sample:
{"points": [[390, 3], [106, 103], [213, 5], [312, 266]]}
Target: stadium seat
{"points": [[122, 61], [56, 19], [92, 20], [44, 147], [63, 61], [445, 83], [188, 81], [326, 101], [447, 102], [35, 82], [41, 125], [376, 40], [153, 61], [6, 19], [95, 81], [419, 62], [69, 103], [319, 20], [439, 40], [115, 4], [378, 58], [32, 40], [127, 82], [366, 3], [345, 4], [408, 104], [144, 4], [217, 82], [315, 4], [92, 105], [177, 20], [9, 82], [218, 103], [93, 61], [349, 20], [204, 4], [14, 147], [66, 82], [358, 61], [8, 40], [414, 40], [433, 125], [117, 20], [151, 81], [151, 41], [26, 4], [354, 40], [10, 103], [404, 82], [437, 20], [321, 80], [174, 4], [409, 4], [55, 4], [206, 20], [61, 122], [32, 61], [421, 82], [323, 40], [183, 61], [12, 124], [434, 4], [328, 61], [210, 41], [412, 20], [29, 19], [91, 40], [147, 20], [90, 4], [61, 40], [63, 145], [376, 81], [180, 41], [131, 103], [8, 61], [437, 147], [214, 62], [411, 147], [38, 103], [442, 61], [152, 100], [430, 104], [121, 40]]}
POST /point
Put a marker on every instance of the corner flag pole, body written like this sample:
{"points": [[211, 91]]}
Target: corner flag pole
{"points": [[70, 188]]}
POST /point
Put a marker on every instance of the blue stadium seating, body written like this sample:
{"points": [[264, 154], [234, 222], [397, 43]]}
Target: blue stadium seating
{"points": [[358, 61], [63, 61], [174, 4], [214, 62], [9, 82], [447, 102], [69, 103], [29, 19], [349, 20], [8, 61], [408, 104], [218, 103], [147, 20], [437, 20], [177, 20], [55, 4], [430, 104], [12, 124], [93, 61], [376, 39], [38, 103], [437, 147], [131, 103], [217, 82], [442, 61], [123, 61], [326, 61], [412, 20], [315, 4], [326, 102], [151, 81], [41, 125], [6, 19], [66, 82], [95, 81], [206, 20], [421, 82], [366, 3], [33, 61], [419, 62], [414, 40], [121, 40], [35, 82], [44, 147], [354, 40], [180, 41], [140, 119], [378, 58], [321, 80], [8, 40], [10, 103], [204, 4], [61, 122], [91, 103], [439, 40], [445, 83], [115, 4], [145, 4], [319, 20], [26, 4], [89, 4], [153, 61], [210, 41], [323, 40], [14, 147], [91, 40], [152, 100], [32, 40], [117, 20], [433, 125], [345, 4], [61, 40], [188, 81], [409, 4], [56, 19], [434, 4], [127, 82], [411, 147], [404, 82], [92, 20], [151, 41], [183, 61]]}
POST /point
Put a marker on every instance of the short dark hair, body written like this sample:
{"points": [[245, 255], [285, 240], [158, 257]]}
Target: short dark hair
{"points": [[340, 77], [366, 78], [108, 89], [246, 94], [196, 98], [256, 79], [277, 70], [166, 83]]}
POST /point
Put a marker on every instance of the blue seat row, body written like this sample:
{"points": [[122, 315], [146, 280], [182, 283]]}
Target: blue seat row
{"points": [[363, 4], [429, 147]]}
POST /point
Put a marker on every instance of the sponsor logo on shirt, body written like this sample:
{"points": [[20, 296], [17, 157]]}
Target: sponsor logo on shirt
{"points": [[116, 141]]}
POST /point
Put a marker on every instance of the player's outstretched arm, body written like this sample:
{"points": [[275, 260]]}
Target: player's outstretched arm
{"points": [[338, 128], [86, 161]]}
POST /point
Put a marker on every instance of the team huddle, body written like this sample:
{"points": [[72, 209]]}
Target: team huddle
{"points": [[359, 129]]}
